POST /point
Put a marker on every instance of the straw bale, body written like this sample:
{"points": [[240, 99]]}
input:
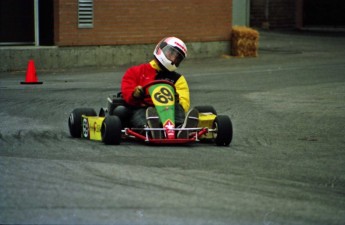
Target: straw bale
{"points": [[244, 41]]}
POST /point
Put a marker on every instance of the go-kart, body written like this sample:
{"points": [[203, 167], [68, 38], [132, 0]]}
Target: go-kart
{"points": [[110, 129]]}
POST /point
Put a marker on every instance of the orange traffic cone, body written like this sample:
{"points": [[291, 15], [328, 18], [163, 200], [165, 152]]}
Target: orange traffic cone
{"points": [[31, 76]]}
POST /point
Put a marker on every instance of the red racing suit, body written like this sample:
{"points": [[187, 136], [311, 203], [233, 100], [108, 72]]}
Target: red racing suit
{"points": [[148, 72]]}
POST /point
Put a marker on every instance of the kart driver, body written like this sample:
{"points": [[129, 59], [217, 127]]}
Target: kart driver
{"points": [[168, 55]]}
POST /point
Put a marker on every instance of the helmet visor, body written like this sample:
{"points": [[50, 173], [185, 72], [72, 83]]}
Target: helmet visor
{"points": [[172, 54]]}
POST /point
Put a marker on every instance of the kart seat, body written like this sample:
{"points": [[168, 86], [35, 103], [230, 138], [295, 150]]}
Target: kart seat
{"points": [[115, 101]]}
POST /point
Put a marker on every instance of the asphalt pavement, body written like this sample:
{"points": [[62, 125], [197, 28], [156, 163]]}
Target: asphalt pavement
{"points": [[285, 165]]}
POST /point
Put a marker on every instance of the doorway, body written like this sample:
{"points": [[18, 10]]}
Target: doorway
{"points": [[323, 13], [19, 26]]}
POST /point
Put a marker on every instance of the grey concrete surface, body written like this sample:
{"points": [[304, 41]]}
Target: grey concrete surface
{"points": [[286, 163]]}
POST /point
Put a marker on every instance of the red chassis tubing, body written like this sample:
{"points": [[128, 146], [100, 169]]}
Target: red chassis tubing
{"points": [[203, 131]]}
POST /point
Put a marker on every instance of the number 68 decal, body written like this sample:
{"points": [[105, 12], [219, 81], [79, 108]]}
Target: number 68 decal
{"points": [[162, 96]]}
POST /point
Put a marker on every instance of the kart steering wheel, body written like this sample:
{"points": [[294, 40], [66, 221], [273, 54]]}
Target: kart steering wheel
{"points": [[146, 86]]}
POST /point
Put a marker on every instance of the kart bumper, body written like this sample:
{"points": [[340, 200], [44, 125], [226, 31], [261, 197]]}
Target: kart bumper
{"points": [[194, 138]]}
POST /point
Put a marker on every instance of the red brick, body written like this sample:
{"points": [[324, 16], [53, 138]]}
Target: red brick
{"points": [[142, 21]]}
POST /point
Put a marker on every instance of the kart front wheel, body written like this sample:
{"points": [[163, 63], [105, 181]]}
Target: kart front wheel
{"points": [[222, 130], [74, 120], [111, 130]]}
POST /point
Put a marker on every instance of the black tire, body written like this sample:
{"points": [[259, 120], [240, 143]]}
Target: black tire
{"points": [[223, 130], [74, 120], [206, 109], [111, 130]]}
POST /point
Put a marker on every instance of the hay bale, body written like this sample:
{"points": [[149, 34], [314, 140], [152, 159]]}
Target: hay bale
{"points": [[244, 41]]}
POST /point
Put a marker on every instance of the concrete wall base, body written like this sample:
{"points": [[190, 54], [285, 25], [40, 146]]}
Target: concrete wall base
{"points": [[52, 58]]}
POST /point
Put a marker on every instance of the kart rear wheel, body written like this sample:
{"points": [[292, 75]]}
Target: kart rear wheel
{"points": [[111, 130], [74, 120], [206, 109], [223, 130]]}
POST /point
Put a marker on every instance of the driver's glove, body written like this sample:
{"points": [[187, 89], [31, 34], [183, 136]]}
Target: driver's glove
{"points": [[138, 92]]}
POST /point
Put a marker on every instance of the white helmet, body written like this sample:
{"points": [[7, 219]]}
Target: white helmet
{"points": [[170, 52]]}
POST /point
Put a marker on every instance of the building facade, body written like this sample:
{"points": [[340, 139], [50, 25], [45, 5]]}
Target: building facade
{"points": [[142, 21], [78, 33], [112, 22]]}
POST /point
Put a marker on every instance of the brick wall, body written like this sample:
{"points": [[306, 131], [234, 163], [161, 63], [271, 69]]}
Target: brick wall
{"points": [[273, 13], [119, 22]]}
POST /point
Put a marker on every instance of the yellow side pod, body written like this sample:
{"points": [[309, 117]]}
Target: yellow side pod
{"points": [[91, 127], [206, 120]]}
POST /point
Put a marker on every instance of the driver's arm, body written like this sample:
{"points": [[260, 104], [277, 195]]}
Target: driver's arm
{"points": [[129, 82], [182, 90]]}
